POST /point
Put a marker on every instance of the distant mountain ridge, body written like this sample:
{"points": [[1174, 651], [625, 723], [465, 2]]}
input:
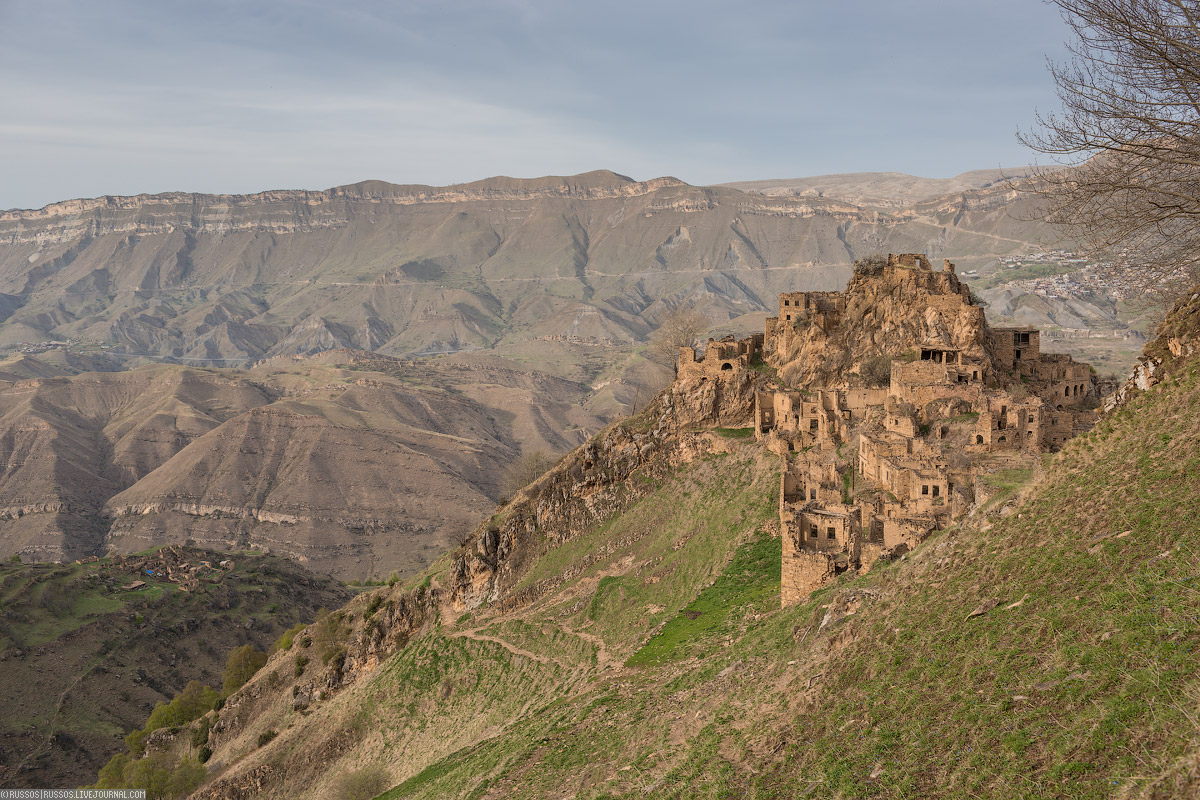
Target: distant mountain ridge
{"points": [[880, 189], [405, 270]]}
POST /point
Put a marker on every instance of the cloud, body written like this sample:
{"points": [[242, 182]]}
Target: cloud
{"points": [[230, 96]]}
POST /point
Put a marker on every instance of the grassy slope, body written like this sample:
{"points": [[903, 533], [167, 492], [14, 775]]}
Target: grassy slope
{"points": [[503, 679], [1086, 688]]}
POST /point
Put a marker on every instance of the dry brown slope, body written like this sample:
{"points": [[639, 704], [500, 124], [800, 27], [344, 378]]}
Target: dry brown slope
{"points": [[355, 463], [403, 269]]}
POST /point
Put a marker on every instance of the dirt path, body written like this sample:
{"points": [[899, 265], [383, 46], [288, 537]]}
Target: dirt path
{"points": [[509, 646]]}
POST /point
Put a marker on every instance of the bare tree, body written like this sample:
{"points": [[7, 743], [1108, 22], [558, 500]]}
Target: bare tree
{"points": [[681, 328], [527, 469], [1130, 129]]}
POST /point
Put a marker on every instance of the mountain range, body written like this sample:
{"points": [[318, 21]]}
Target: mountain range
{"points": [[344, 376]]}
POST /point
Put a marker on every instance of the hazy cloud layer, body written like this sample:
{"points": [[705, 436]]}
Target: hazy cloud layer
{"points": [[122, 97]]}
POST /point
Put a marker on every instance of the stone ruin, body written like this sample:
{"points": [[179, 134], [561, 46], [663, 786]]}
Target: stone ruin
{"points": [[869, 472]]}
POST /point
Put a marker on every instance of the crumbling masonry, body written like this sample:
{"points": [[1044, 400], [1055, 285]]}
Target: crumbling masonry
{"points": [[868, 471]]}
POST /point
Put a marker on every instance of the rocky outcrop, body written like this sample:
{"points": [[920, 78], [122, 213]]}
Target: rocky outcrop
{"points": [[596, 481], [1178, 338], [885, 311]]}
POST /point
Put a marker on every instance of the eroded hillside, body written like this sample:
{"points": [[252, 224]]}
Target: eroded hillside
{"points": [[354, 465], [1043, 646], [558, 269]]}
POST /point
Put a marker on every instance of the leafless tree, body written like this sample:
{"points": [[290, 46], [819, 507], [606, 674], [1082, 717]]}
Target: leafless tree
{"points": [[1129, 129], [681, 328], [527, 469]]}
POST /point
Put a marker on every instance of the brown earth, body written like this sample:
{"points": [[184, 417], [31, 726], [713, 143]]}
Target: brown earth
{"points": [[355, 464]]}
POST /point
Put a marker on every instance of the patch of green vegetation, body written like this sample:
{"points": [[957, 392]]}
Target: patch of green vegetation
{"points": [[288, 637], [735, 433], [749, 583], [1074, 686], [1025, 271], [158, 774], [193, 702]]}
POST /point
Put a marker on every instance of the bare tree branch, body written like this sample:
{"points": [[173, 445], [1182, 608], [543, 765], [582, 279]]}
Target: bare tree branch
{"points": [[681, 328], [1130, 128]]}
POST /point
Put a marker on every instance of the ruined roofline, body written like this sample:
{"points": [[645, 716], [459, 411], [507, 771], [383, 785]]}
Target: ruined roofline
{"points": [[916, 261]]}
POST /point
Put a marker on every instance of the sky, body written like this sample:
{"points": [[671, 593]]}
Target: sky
{"points": [[233, 96]]}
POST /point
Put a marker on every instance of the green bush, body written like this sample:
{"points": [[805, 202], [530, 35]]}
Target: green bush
{"points": [[301, 663], [285, 640], [204, 755], [266, 736], [200, 735], [243, 662], [362, 784], [161, 779], [193, 702]]}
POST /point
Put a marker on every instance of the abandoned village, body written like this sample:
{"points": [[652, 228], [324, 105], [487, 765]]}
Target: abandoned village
{"points": [[876, 457]]}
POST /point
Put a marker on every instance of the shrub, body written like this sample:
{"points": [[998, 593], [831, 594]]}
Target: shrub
{"points": [[301, 663], [266, 736], [362, 784], [158, 775], [877, 370], [285, 640], [243, 662], [204, 755], [193, 702], [200, 734], [334, 658]]}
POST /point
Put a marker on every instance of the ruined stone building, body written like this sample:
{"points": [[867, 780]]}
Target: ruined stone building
{"points": [[869, 470]]}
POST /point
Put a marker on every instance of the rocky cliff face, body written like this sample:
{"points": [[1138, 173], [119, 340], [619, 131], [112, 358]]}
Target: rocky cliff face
{"points": [[593, 483], [887, 312]]}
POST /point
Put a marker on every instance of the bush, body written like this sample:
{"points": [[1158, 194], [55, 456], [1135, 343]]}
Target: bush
{"points": [[301, 663], [285, 640], [193, 702], [334, 658], [527, 469], [200, 735], [243, 662], [877, 370], [157, 774], [266, 736], [204, 755], [362, 784], [870, 265]]}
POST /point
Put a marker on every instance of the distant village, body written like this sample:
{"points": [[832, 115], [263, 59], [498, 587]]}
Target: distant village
{"points": [[1071, 276], [34, 348]]}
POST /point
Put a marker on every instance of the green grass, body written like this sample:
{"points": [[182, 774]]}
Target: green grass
{"points": [[735, 433], [1085, 688], [1024, 272], [749, 582]]}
